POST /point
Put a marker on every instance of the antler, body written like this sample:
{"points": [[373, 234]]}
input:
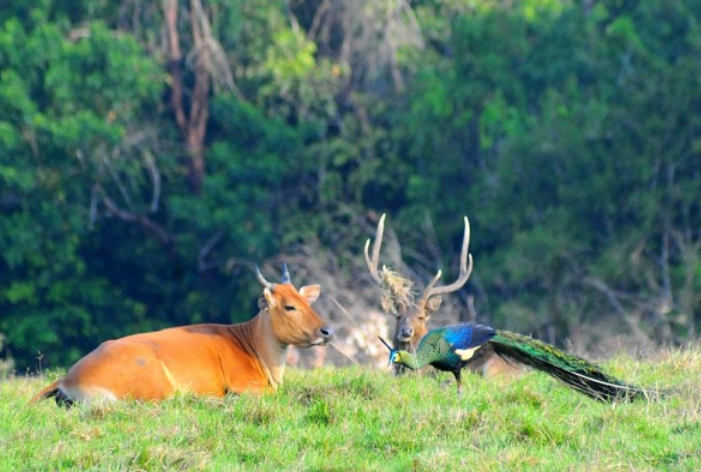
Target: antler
{"points": [[465, 271], [372, 264]]}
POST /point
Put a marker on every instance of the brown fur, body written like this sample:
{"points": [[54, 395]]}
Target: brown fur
{"points": [[206, 359]]}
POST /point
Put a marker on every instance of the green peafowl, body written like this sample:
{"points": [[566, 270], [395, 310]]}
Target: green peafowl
{"points": [[451, 348]]}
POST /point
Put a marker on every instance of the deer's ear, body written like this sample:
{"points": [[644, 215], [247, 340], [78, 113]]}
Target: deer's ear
{"points": [[310, 292], [432, 305]]}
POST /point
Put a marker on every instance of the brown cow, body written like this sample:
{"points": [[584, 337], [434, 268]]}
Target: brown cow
{"points": [[206, 359]]}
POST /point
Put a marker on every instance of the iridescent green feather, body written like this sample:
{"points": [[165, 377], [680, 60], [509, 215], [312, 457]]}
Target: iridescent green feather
{"points": [[576, 372], [433, 347], [442, 347], [450, 349]]}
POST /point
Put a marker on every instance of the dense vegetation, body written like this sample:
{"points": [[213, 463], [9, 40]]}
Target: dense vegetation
{"points": [[152, 151], [350, 419]]}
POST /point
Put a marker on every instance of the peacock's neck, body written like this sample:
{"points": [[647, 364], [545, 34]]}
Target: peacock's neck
{"points": [[411, 360]]}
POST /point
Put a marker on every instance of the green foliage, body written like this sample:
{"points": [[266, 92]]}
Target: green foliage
{"points": [[353, 419], [567, 131], [68, 106], [557, 142]]}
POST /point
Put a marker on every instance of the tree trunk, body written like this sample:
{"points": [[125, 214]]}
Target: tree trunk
{"points": [[193, 122]]}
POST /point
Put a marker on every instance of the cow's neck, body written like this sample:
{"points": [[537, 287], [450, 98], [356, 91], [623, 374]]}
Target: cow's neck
{"points": [[257, 337]]}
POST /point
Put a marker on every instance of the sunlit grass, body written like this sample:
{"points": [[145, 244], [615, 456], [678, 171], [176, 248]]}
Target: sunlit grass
{"points": [[355, 420]]}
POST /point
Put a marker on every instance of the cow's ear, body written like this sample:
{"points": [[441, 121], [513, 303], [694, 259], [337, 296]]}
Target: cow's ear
{"points": [[270, 300], [310, 292], [262, 303]]}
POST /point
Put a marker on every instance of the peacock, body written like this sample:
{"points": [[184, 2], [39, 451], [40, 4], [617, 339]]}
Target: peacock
{"points": [[451, 348]]}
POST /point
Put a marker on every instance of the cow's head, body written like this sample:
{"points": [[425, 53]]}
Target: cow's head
{"points": [[292, 318]]}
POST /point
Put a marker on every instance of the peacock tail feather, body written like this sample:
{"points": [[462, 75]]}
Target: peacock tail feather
{"points": [[574, 371], [451, 348]]}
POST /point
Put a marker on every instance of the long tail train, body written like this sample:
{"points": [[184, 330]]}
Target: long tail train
{"points": [[574, 371]]}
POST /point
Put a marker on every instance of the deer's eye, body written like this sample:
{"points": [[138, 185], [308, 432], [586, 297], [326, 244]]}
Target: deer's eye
{"points": [[290, 308]]}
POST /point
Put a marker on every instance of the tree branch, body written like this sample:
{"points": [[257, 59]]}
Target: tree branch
{"points": [[152, 227], [613, 298], [174, 59]]}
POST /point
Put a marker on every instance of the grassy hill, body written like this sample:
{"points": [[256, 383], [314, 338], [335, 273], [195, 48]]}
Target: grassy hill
{"points": [[356, 420]]}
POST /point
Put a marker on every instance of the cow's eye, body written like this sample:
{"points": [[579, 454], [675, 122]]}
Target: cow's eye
{"points": [[289, 308]]}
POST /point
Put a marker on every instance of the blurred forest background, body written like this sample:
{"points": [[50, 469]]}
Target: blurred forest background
{"points": [[152, 151]]}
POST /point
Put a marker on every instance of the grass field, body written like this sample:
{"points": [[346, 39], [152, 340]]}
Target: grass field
{"points": [[357, 420]]}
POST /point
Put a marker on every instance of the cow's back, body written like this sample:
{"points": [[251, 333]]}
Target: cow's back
{"points": [[202, 359]]}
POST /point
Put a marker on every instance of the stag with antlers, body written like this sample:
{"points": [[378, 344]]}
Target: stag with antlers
{"points": [[413, 314]]}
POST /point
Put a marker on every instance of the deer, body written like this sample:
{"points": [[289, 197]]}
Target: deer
{"points": [[412, 317], [205, 359]]}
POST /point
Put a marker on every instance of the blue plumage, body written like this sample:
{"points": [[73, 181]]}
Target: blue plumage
{"points": [[451, 348], [464, 336]]}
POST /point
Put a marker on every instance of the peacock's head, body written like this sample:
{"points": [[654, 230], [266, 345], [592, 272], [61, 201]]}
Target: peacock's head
{"points": [[394, 356]]}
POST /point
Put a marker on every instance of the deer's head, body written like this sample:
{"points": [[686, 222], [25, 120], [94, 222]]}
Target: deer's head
{"points": [[413, 314]]}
